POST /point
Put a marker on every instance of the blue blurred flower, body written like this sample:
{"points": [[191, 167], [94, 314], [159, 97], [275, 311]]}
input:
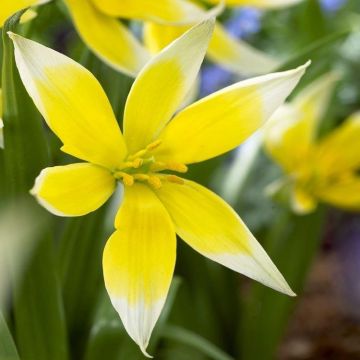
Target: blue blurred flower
{"points": [[213, 78], [331, 6], [244, 22]]}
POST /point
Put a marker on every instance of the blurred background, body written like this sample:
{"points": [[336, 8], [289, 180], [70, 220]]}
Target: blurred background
{"points": [[211, 313]]}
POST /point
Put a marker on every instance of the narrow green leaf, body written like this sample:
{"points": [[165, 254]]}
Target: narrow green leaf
{"points": [[313, 49], [8, 349], [189, 338], [38, 313], [292, 244]]}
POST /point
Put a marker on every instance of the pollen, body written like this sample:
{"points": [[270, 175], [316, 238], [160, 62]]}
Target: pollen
{"points": [[155, 182], [175, 179]]}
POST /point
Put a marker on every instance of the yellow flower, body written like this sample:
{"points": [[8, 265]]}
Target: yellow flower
{"points": [[139, 257], [165, 20], [10, 7], [317, 170]]}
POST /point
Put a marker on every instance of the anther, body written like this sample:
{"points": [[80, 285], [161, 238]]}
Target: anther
{"points": [[141, 177], [127, 179], [137, 163], [153, 145], [155, 182], [175, 179], [181, 168]]}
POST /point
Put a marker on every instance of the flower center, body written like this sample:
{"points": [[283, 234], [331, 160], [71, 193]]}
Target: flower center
{"points": [[142, 166]]}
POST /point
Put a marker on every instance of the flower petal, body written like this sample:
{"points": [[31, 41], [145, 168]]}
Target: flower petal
{"points": [[237, 55], [340, 151], [160, 11], [73, 190], [139, 261], [292, 130], [163, 85], [302, 202], [211, 227], [266, 4], [223, 120], [10, 7], [65, 93], [108, 38], [345, 193]]}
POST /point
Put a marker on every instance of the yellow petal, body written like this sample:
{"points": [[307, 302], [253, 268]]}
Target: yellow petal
{"points": [[230, 53], [163, 85], [266, 4], [73, 190], [72, 102], [340, 151], [10, 7], [108, 38], [223, 120], [302, 202], [238, 56], [344, 193], [212, 228], [159, 11], [139, 261], [290, 135], [158, 36]]}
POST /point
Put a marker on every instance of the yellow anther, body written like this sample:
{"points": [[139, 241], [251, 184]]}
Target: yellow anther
{"points": [[153, 145], [175, 179], [127, 179], [177, 167], [141, 177], [154, 181], [137, 163]]}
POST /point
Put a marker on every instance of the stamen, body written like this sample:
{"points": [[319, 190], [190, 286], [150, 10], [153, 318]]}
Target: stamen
{"points": [[175, 179], [154, 181], [137, 163], [181, 168], [127, 179], [141, 177], [153, 145], [160, 166]]}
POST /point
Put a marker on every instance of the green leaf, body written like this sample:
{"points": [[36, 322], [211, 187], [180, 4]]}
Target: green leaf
{"points": [[292, 244], [8, 349], [81, 248], [189, 338], [38, 313]]}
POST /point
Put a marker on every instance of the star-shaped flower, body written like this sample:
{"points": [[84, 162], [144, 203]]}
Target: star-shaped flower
{"points": [[139, 257]]}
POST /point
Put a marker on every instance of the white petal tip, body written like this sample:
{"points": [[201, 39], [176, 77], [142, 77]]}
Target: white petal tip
{"points": [[143, 350], [11, 35]]}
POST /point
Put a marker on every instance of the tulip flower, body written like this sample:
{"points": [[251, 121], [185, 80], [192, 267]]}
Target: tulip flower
{"points": [[165, 20], [324, 170], [10, 7], [139, 257]]}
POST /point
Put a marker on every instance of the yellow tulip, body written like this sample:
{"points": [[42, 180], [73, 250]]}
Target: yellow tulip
{"points": [[10, 7], [165, 20], [322, 170], [139, 257]]}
